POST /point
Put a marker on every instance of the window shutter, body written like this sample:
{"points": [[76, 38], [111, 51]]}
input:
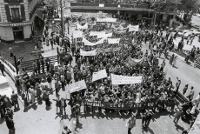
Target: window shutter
{"points": [[23, 13], [7, 13]]}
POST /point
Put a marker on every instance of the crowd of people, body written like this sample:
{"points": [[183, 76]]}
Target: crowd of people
{"points": [[153, 94]]}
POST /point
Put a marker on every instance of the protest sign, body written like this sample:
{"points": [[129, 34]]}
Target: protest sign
{"points": [[113, 40], [120, 80], [134, 61], [104, 35], [134, 28], [77, 34], [99, 75], [82, 27], [88, 53], [88, 43], [106, 19], [96, 33], [77, 86]]}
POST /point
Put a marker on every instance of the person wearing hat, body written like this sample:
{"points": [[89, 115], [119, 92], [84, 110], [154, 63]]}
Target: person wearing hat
{"points": [[131, 122]]}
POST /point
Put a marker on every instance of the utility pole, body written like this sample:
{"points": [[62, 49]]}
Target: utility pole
{"points": [[62, 21]]}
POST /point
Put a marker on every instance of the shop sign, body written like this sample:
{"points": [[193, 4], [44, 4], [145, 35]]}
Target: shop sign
{"points": [[17, 24]]}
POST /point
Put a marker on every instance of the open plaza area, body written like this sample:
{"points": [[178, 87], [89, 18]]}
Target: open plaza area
{"points": [[98, 67]]}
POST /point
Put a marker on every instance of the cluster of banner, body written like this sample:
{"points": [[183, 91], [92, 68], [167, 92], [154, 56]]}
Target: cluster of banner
{"points": [[101, 34], [134, 61], [121, 80], [122, 30], [78, 26], [88, 53], [106, 20], [77, 86], [99, 75]]}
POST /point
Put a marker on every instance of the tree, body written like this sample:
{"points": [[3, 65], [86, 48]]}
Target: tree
{"points": [[188, 5], [55, 4]]}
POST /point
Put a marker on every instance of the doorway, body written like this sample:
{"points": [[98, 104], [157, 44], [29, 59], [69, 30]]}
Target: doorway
{"points": [[18, 33]]}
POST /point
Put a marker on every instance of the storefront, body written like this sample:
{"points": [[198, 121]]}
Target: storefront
{"points": [[15, 32]]}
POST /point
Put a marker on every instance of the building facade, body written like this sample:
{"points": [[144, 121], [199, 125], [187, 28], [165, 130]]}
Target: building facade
{"points": [[17, 19]]}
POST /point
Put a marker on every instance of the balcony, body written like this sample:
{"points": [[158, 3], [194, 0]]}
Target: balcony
{"points": [[13, 1]]}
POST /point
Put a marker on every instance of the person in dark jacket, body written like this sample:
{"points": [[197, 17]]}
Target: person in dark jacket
{"points": [[47, 62], [58, 104], [49, 80], [38, 66], [10, 124]]}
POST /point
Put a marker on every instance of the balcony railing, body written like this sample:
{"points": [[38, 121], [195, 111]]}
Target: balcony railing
{"points": [[13, 1]]}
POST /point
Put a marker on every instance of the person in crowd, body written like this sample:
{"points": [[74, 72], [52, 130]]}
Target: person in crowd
{"points": [[185, 89], [131, 123], [14, 99], [47, 62], [10, 124], [178, 114], [76, 110], [57, 86], [191, 94], [58, 104], [32, 94]]}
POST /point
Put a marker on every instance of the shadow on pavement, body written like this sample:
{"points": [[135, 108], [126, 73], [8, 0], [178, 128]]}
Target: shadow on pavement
{"points": [[148, 129], [178, 127], [1, 120]]}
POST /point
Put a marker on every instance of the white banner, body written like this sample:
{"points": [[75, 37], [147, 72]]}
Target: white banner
{"points": [[134, 28], [77, 86], [86, 42], [106, 20], [113, 40], [77, 34], [120, 80], [104, 35], [95, 33], [82, 27], [99, 75], [88, 53]]}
